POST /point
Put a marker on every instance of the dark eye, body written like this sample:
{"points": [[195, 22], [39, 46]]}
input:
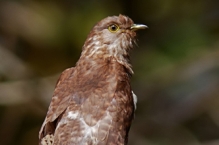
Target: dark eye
{"points": [[113, 28]]}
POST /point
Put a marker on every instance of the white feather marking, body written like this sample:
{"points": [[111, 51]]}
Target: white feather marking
{"points": [[95, 50], [88, 46], [90, 39], [97, 43], [92, 131], [130, 42], [134, 99], [95, 38], [72, 115], [124, 44], [89, 131]]}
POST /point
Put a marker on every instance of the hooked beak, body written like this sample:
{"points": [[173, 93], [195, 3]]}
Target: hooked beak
{"points": [[138, 26]]}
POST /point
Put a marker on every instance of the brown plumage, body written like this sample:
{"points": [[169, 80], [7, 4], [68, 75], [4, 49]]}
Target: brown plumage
{"points": [[93, 103]]}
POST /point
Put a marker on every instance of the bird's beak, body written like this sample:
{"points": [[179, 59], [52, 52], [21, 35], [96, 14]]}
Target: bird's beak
{"points": [[138, 26]]}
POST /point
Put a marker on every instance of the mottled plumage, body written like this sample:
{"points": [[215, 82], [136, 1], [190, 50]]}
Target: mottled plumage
{"points": [[93, 103]]}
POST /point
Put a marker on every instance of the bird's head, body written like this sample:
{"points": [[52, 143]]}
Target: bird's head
{"points": [[113, 36], [116, 30]]}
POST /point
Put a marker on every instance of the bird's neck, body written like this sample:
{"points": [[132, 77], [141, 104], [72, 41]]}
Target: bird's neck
{"points": [[100, 54], [99, 60]]}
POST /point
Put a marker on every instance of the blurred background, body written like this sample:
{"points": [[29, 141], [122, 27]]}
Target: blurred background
{"points": [[176, 65]]}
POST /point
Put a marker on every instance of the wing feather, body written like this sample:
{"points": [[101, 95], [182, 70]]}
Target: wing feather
{"points": [[58, 104]]}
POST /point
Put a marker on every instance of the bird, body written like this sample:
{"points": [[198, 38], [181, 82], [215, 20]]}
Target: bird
{"points": [[93, 102]]}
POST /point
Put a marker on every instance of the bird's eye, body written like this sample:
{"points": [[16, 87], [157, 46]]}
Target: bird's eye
{"points": [[113, 28]]}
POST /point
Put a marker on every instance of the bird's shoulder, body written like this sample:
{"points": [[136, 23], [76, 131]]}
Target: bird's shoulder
{"points": [[59, 101], [61, 94]]}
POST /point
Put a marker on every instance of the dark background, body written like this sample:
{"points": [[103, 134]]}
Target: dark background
{"points": [[176, 65]]}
